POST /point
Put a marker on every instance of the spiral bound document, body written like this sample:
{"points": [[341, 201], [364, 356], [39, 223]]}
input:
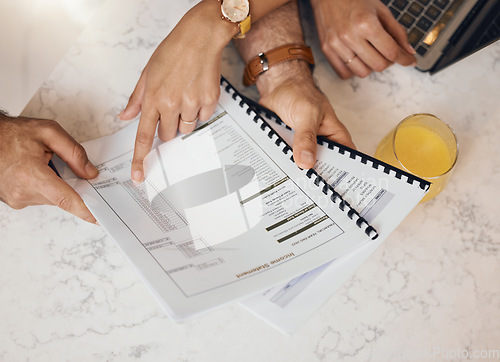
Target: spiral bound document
{"points": [[286, 134], [250, 108], [381, 193], [223, 212]]}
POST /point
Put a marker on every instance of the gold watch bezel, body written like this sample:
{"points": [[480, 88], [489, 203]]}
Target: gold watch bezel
{"points": [[228, 17]]}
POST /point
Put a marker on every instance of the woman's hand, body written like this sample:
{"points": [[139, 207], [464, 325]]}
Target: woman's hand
{"points": [[360, 36], [180, 83]]}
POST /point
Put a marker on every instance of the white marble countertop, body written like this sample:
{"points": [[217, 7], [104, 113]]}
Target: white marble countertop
{"points": [[430, 292]]}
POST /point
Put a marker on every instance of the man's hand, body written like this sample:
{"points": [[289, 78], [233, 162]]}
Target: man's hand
{"points": [[288, 89], [360, 36], [26, 147]]}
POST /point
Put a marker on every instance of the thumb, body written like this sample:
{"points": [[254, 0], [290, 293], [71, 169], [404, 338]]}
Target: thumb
{"points": [[70, 151], [304, 145], [302, 115]]}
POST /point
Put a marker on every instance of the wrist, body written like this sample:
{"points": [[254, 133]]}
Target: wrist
{"points": [[296, 71], [207, 18], [262, 63]]}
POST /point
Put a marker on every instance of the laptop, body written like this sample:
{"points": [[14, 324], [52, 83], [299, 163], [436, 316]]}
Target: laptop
{"points": [[445, 31]]}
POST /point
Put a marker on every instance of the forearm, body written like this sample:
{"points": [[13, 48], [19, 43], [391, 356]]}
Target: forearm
{"points": [[208, 13], [288, 86], [282, 26], [260, 8], [278, 28]]}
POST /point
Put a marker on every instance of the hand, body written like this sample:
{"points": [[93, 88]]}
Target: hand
{"points": [[360, 36], [288, 89], [26, 147], [180, 83]]}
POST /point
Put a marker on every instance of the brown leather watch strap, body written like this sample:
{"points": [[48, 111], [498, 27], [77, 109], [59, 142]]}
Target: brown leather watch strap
{"points": [[264, 61]]}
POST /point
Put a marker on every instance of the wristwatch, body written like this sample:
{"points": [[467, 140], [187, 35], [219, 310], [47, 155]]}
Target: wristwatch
{"points": [[262, 62], [238, 12]]}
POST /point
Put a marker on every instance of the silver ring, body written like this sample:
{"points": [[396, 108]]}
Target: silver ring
{"points": [[351, 59], [187, 122]]}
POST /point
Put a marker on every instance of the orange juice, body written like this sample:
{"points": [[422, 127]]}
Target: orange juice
{"points": [[424, 146], [422, 151]]}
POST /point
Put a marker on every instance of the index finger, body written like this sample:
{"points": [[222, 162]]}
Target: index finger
{"points": [[395, 35], [143, 142], [333, 129]]}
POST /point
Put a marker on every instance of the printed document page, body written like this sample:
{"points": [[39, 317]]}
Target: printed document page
{"points": [[223, 212], [383, 199]]}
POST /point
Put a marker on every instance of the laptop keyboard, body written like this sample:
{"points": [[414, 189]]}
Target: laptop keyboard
{"points": [[491, 32], [417, 17]]}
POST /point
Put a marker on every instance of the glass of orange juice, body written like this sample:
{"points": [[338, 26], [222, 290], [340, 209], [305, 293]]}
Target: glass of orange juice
{"points": [[424, 146]]}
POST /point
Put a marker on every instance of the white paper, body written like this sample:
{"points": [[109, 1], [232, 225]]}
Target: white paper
{"points": [[222, 214], [383, 199]]}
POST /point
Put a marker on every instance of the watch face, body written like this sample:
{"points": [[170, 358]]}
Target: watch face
{"points": [[235, 10]]}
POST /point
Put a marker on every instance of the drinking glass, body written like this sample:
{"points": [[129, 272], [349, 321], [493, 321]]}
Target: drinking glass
{"points": [[424, 146]]}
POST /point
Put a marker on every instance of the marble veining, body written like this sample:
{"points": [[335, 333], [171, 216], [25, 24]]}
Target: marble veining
{"points": [[428, 293]]}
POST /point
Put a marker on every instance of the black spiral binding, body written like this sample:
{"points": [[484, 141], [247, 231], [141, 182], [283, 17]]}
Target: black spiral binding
{"points": [[327, 189], [386, 168], [364, 158]]}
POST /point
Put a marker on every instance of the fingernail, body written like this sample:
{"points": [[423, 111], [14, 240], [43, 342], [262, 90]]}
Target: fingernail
{"points": [[120, 114], [91, 170], [307, 159], [91, 219], [137, 176]]}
